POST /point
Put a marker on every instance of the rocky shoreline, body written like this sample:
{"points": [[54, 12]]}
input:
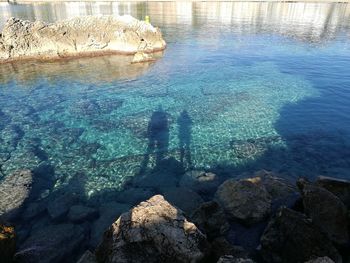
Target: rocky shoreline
{"points": [[82, 36], [283, 222]]}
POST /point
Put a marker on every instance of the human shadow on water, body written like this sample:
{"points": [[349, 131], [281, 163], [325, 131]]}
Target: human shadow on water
{"points": [[158, 138], [185, 130]]}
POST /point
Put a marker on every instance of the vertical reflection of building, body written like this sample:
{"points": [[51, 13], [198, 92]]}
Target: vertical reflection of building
{"points": [[300, 20]]}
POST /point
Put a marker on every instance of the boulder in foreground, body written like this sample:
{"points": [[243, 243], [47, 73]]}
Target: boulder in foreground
{"points": [[153, 231], [78, 36]]}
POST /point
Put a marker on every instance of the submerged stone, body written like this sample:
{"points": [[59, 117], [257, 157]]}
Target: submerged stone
{"points": [[14, 191], [80, 213]]}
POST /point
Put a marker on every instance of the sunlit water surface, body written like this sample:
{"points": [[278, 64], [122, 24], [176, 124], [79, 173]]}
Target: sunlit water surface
{"points": [[240, 87]]}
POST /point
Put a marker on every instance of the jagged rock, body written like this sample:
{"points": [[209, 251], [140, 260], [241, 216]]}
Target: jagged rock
{"points": [[200, 181], [7, 243], [183, 198], [231, 259], [326, 211], [246, 200], [275, 185], [50, 244], [109, 212], [82, 35], [338, 187], [80, 213], [210, 218], [14, 190], [321, 260], [58, 207], [292, 237], [87, 257], [221, 247], [153, 231]]}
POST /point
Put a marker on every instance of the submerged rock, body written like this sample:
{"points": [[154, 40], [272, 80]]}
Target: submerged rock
{"points": [[327, 212], [91, 34], [200, 181], [292, 237], [320, 260], [246, 200], [153, 231], [142, 57], [221, 247], [80, 213], [14, 191], [7, 243], [59, 207], [51, 244]]}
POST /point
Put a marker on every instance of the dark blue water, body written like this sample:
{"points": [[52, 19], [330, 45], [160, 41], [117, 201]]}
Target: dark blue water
{"points": [[241, 87]]}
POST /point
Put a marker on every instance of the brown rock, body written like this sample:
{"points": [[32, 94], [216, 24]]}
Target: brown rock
{"points": [[153, 231], [7, 243], [246, 200]]}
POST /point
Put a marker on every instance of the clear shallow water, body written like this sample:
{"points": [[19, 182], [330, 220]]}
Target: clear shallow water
{"points": [[251, 79], [240, 87]]}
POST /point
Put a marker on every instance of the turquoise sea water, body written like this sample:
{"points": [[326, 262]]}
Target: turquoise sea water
{"points": [[240, 87]]}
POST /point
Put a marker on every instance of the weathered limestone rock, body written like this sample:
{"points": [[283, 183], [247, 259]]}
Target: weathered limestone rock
{"points": [[292, 237], [326, 211], [141, 56], [78, 36], [51, 244], [153, 231], [14, 190], [7, 243], [210, 218], [338, 187], [246, 200]]}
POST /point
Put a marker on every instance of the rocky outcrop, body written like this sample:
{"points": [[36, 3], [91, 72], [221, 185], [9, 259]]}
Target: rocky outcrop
{"points": [[292, 237], [79, 36], [7, 243], [245, 200], [14, 191], [153, 231], [338, 187], [326, 211]]}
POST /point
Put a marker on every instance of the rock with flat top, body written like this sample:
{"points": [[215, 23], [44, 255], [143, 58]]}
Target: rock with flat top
{"points": [[153, 231], [78, 36]]}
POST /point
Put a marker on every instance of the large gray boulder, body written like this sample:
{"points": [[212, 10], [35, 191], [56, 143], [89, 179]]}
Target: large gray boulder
{"points": [[14, 191], [153, 231], [291, 237], [245, 200], [326, 211], [78, 36]]}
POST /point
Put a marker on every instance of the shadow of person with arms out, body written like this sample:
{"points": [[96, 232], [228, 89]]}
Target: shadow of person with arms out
{"points": [[185, 126], [158, 138]]}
